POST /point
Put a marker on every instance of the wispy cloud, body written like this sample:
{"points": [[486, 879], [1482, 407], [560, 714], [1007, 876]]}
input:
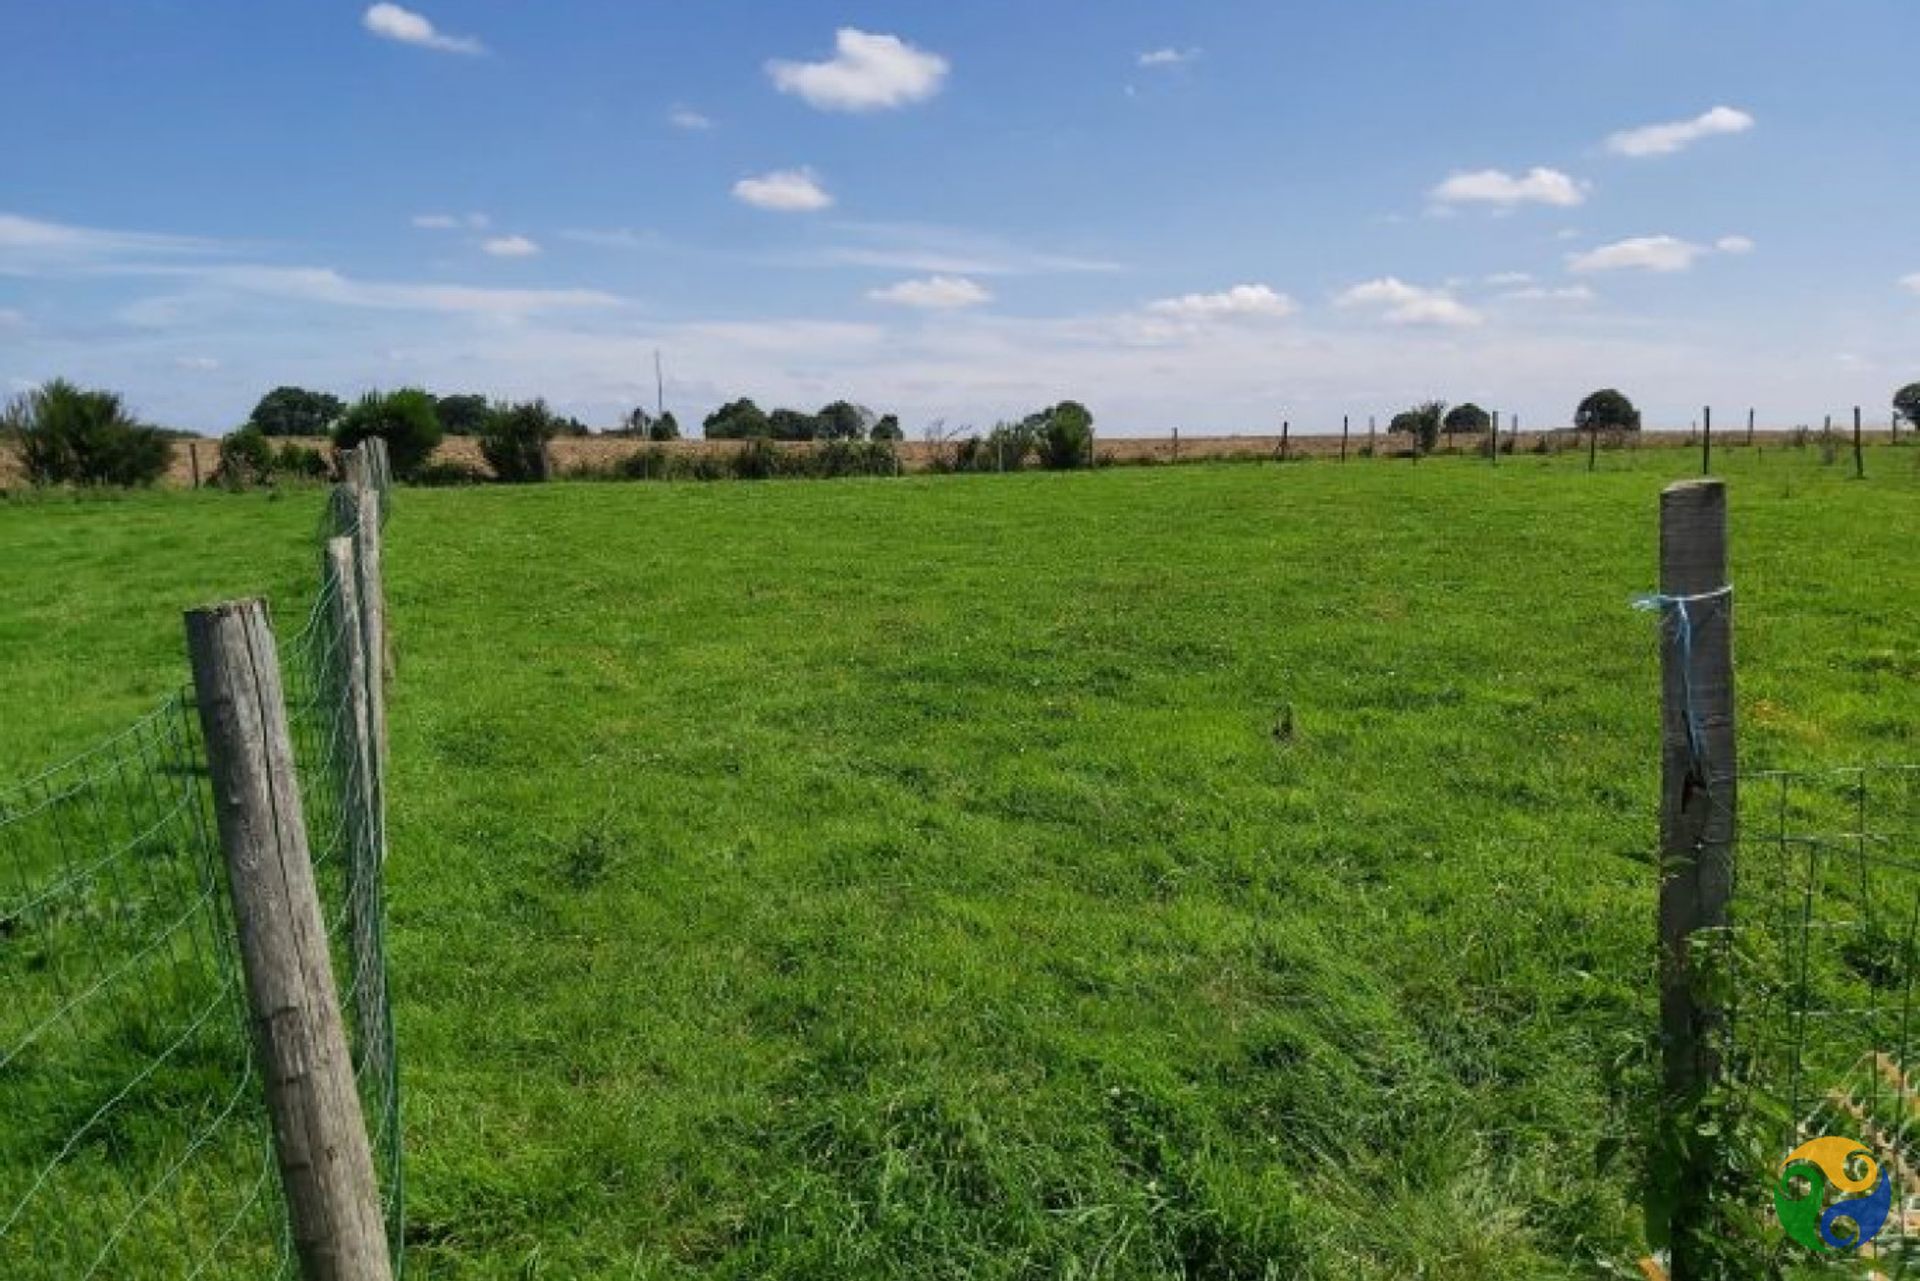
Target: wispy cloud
{"points": [[1399, 303], [325, 285], [785, 190], [1168, 57], [28, 245], [614, 238], [198, 364], [935, 293], [1677, 135], [868, 72], [450, 222], [510, 247], [911, 246], [1911, 283], [391, 22], [1496, 187], [1239, 302], [1546, 293], [689, 119], [1654, 253]]}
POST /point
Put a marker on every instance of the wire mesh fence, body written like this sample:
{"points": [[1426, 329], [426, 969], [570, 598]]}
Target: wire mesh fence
{"points": [[134, 1139]]}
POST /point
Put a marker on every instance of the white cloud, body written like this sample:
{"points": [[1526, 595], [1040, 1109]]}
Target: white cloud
{"points": [[935, 293], [1510, 278], [199, 364], [1541, 293], [867, 72], [1911, 283], [28, 245], [1400, 303], [614, 238], [688, 118], [1734, 244], [510, 247], [1665, 139], [787, 190], [1168, 57], [391, 22], [325, 285], [1639, 253], [1497, 187], [1241, 301], [945, 251], [449, 222]]}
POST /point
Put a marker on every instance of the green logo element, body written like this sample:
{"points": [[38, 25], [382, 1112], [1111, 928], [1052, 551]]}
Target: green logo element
{"points": [[1800, 1194]]}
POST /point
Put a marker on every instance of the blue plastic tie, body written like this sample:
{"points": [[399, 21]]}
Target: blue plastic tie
{"points": [[1677, 606]]}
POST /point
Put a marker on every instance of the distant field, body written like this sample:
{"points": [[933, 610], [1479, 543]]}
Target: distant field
{"points": [[1218, 871]]}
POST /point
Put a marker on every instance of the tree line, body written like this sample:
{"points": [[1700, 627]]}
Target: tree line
{"points": [[67, 434]]}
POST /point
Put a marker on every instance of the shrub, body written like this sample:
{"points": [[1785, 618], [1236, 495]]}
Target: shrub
{"points": [[295, 411], [514, 441], [405, 419], [853, 458], [1065, 436], [72, 436], [449, 473], [888, 428], [462, 415], [758, 461], [302, 461], [1606, 410], [737, 420], [1906, 403], [1422, 422], [1467, 419], [246, 459]]}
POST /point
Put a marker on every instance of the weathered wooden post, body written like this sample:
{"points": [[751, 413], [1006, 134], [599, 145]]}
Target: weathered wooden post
{"points": [[373, 613], [1284, 426], [1698, 811], [1749, 427], [1859, 458], [1493, 440], [1176, 444], [319, 1133], [1706, 440], [1345, 425], [193, 461]]}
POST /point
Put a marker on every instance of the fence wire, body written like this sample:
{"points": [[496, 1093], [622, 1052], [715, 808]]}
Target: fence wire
{"points": [[134, 1137], [1816, 973]]}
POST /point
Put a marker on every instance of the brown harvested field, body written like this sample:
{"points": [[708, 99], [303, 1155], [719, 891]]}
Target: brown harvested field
{"points": [[587, 455]]}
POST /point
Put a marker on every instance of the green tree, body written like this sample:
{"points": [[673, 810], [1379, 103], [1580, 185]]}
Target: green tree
{"points": [[1422, 422], [791, 424], [1606, 410], [665, 427], [1906, 403], [844, 420], [246, 459], [405, 419], [737, 420], [887, 428], [514, 440], [72, 436], [295, 411], [1468, 419], [1065, 435], [462, 415]]}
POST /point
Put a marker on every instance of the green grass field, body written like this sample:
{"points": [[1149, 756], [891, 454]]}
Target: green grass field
{"points": [[1215, 871]]}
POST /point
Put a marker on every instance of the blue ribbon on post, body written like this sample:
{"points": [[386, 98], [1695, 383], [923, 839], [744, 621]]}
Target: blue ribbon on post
{"points": [[1683, 625]]}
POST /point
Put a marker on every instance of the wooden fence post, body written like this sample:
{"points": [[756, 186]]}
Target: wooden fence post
{"points": [[1706, 440], [1284, 426], [1493, 440], [1749, 426], [373, 616], [319, 1133], [1345, 426], [1859, 458], [193, 461], [1698, 827], [1176, 444]]}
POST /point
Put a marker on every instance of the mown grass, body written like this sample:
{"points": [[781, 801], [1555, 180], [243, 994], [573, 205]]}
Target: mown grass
{"points": [[1218, 871]]}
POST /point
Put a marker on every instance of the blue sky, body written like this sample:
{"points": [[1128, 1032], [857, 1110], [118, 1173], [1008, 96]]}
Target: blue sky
{"points": [[1203, 215]]}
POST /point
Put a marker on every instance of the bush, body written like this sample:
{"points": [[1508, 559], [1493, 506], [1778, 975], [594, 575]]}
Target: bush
{"points": [[462, 415], [71, 436], [758, 461], [1468, 419], [737, 420], [406, 419], [853, 458], [1906, 403], [888, 428], [443, 475], [246, 459], [1606, 410], [791, 424], [1065, 436], [1422, 422], [301, 461], [514, 441], [295, 411]]}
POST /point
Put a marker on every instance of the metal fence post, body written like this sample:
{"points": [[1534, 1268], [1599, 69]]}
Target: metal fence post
{"points": [[1698, 813], [319, 1133]]}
